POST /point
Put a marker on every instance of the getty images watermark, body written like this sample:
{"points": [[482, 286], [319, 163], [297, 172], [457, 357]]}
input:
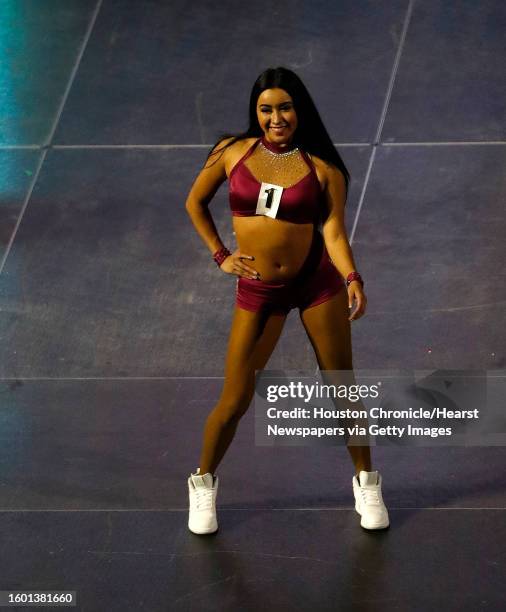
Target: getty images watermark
{"points": [[380, 407]]}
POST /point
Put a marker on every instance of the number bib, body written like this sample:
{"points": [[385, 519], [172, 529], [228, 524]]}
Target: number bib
{"points": [[269, 199]]}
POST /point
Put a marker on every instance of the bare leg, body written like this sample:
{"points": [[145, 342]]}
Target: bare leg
{"points": [[329, 331], [253, 337]]}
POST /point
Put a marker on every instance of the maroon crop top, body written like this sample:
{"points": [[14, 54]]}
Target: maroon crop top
{"points": [[300, 203]]}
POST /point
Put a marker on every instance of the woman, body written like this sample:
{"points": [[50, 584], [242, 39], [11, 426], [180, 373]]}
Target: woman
{"points": [[286, 179]]}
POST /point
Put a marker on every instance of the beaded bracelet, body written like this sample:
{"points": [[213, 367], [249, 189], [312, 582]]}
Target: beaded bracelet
{"points": [[354, 276], [220, 255]]}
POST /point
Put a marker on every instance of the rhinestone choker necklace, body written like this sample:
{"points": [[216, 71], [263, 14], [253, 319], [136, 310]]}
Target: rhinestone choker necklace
{"points": [[277, 150]]}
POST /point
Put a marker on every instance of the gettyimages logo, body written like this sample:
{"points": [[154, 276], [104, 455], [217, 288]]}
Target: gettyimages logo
{"points": [[371, 407]]}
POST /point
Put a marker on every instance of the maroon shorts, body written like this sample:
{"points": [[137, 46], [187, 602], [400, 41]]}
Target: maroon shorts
{"points": [[316, 282]]}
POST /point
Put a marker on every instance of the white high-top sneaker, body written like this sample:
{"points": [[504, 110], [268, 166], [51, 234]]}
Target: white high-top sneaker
{"points": [[202, 494], [369, 501]]}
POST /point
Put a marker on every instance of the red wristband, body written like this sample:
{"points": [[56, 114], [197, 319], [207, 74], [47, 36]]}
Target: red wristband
{"points": [[354, 276], [220, 255]]}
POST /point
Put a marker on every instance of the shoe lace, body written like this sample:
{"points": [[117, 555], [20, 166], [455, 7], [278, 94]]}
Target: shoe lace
{"points": [[204, 498], [370, 496]]}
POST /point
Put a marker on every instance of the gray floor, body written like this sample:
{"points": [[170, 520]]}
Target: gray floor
{"points": [[114, 320]]}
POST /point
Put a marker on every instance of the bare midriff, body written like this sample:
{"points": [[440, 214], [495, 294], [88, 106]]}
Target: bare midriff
{"points": [[279, 247]]}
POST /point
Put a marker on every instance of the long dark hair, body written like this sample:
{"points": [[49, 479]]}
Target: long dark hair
{"points": [[310, 135]]}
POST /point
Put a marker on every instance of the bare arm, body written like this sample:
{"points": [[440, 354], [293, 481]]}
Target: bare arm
{"points": [[334, 229], [336, 240], [204, 187], [197, 205]]}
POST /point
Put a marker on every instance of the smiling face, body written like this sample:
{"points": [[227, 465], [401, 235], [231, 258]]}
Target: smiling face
{"points": [[276, 116]]}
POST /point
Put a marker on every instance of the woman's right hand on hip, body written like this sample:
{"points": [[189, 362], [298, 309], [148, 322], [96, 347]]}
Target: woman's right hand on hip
{"points": [[234, 264]]}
